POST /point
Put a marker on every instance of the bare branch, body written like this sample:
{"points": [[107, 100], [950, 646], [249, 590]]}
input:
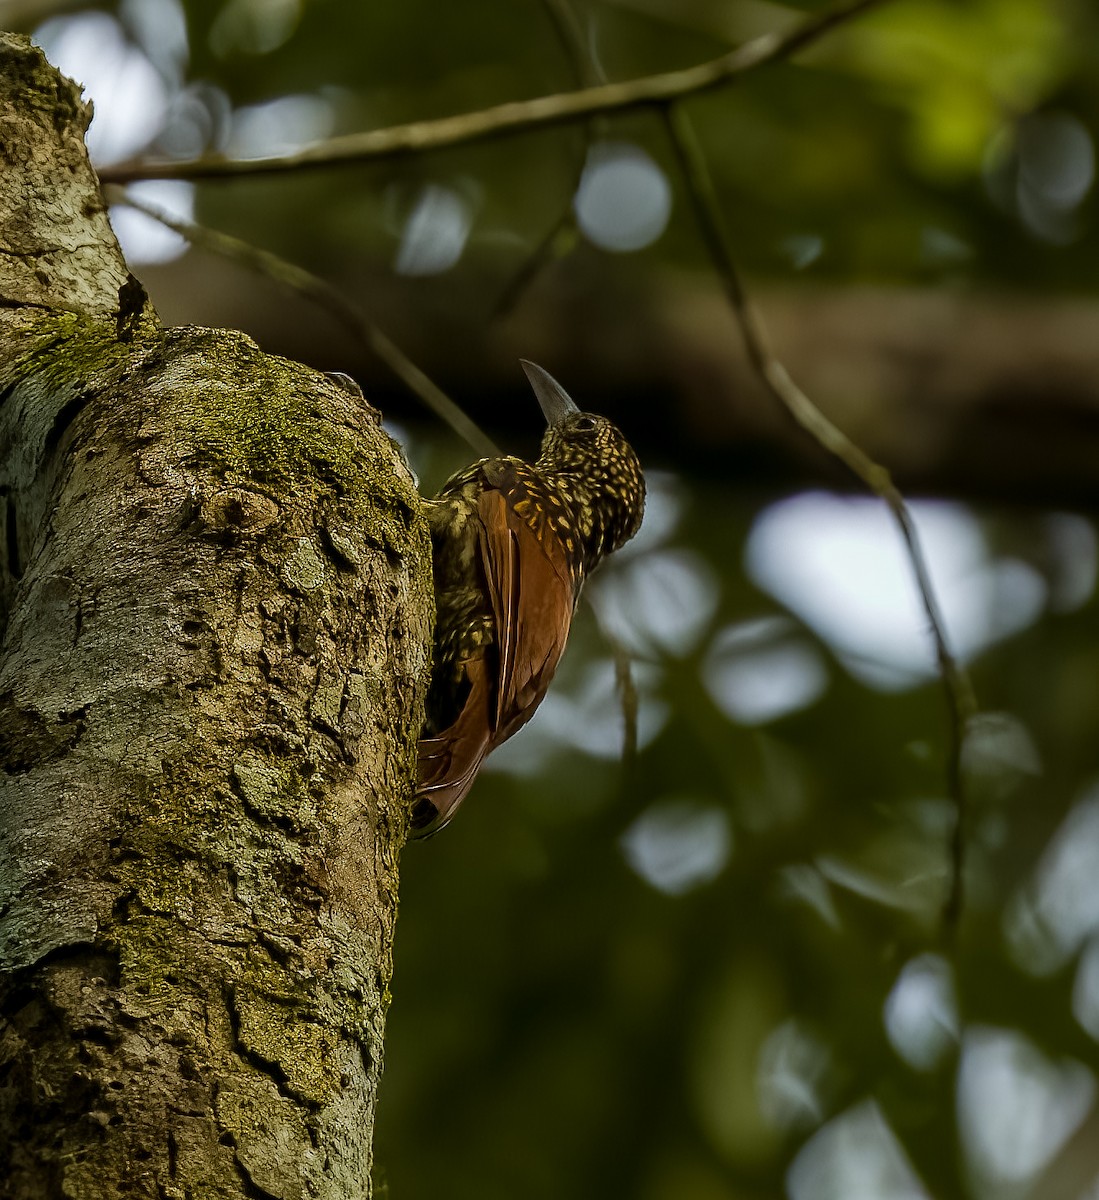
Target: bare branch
{"points": [[321, 292], [627, 691], [624, 682], [959, 695], [555, 244], [563, 231], [517, 116]]}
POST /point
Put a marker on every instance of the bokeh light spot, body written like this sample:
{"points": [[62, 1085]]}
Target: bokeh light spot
{"points": [[160, 29], [1050, 920], [839, 564], [802, 249], [921, 1012], [1074, 551], [1015, 1107], [758, 671], [145, 240], [678, 845], [253, 26], [435, 233], [662, 602], [624, 200], [998, 752], [1085, 990], [856, 1156], [280, 126], [128, 92], [793, 1067]]}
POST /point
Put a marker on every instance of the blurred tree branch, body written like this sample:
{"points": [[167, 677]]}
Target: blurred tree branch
{"points": [[563, 232], [332, 300], [959, 694], [517, 116]]}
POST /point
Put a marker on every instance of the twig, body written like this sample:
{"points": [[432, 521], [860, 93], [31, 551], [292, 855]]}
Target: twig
{"points": [[587, 74], [627, 693], [324, 294], [541, 112], [959, 694], [539, 258], [624, 681], [571, 36]]}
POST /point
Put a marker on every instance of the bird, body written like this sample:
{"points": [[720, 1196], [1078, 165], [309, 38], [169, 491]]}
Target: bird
{"points": [[512, 544]]}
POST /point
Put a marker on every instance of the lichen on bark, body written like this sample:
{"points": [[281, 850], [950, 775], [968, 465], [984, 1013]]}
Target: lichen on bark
{"points": [[216, 611]]}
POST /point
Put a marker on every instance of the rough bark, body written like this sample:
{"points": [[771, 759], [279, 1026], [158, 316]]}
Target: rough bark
{"points": [[216, 610]]}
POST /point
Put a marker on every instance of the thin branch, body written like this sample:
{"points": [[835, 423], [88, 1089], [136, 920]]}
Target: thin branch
{"points": [[624, 682], [569, 32], [587, 74], [627, 692], [959, 694], [321, 292], [547, 251], [516, 116]]}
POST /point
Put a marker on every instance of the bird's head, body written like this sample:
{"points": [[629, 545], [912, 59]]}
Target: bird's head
{"points": [[592, 464]]}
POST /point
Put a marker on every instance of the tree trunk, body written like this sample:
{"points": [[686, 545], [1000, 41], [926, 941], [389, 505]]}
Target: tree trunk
{"points": [[216, 605]]}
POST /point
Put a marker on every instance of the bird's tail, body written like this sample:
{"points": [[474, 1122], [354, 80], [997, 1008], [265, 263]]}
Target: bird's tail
{"points": [[448, 762]]}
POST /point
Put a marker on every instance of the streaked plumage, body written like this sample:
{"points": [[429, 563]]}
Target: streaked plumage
{"points": [[513, 543]]}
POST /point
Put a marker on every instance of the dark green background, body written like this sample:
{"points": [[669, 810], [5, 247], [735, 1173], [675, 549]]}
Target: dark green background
{"points": [[561, 1027]]}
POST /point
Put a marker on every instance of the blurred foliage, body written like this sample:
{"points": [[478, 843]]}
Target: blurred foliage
{"points": [[717, 971]]}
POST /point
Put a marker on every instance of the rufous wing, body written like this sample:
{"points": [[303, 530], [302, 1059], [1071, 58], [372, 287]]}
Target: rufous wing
{"points": [[447, 764], [532, 598], [532, 601]]}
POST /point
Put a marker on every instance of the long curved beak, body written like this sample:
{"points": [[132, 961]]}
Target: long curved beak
{"points": [[554, 401]]}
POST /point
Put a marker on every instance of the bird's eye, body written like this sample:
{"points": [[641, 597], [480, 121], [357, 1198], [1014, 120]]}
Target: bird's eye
{"points": [[585, 424]]}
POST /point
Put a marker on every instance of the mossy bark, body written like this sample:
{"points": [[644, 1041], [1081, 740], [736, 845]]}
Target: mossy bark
{"points": [[216, 604]]}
